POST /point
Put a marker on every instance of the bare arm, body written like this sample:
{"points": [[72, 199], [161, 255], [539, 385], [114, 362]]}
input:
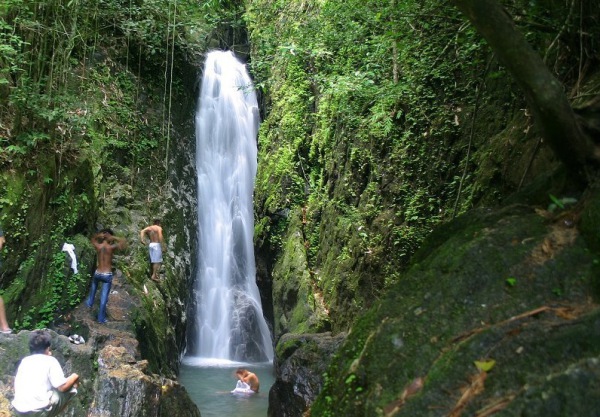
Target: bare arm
{"points": [[94, 239], [142, 233], [252, 380], [2, 240], [118, 242], [71, 381], [160, 239]]}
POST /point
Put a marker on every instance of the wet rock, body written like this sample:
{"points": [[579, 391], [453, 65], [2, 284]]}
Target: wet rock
{"points": [[507, 288], [300, 365]]}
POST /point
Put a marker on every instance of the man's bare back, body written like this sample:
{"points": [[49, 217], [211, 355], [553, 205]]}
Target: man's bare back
{"points": [[249, 378], [105, 245], [154, 233], [156, 246]]}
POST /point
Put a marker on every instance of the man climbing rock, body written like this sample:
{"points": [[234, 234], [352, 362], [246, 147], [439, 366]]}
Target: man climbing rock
{"points": [[155, 247], [105, 244]]}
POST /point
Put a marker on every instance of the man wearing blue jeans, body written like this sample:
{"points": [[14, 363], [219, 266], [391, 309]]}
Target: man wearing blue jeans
{"points": [[105, 243]]}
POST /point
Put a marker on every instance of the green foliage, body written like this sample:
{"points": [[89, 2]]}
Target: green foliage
{"points": [[560, 203], [361, 114], [377, 124], [56, 279], [58, 289], [78, 120], [65, 94], [485, 365]]}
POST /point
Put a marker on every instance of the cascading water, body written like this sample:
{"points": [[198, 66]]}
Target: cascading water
{"points": [[230, 323]]}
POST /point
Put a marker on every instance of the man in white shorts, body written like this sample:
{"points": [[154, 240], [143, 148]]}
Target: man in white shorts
{"points": [[155, 247]]}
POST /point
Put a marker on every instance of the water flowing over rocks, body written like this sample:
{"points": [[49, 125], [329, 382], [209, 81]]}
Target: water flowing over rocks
{"points": [[230, 323]]}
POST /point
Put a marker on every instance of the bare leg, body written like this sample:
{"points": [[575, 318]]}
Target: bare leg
{"points": [[155, 269], [3, 322], [60, 400]]}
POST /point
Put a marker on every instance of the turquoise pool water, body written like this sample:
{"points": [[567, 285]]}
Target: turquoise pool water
{"points": [[209, 385]]}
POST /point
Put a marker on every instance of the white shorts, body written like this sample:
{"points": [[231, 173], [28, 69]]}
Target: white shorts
{"points": [[155, 253]]}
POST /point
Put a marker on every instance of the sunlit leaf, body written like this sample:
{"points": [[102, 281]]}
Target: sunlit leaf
{"points": [[485, 366]]}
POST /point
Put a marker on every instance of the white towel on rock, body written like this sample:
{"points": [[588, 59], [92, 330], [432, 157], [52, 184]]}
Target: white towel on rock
{"points": [[70, 249]]}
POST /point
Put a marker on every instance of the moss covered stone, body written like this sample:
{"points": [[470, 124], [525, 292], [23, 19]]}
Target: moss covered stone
{"points": [[509, 285], [296, 300]]}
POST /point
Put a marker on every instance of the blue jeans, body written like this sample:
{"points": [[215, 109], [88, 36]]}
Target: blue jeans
{"points": [[106, 279]]}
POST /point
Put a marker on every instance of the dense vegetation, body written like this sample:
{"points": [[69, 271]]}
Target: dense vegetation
{"points": [[382, 120], [86, 92]]}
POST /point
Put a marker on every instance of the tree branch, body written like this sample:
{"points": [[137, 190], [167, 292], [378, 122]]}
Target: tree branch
{"points": [[547, 100]]}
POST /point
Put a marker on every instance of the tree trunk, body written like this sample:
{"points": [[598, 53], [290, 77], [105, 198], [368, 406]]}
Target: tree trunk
{"points": [[545, 95]]}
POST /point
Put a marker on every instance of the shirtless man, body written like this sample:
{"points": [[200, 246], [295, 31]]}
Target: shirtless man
{"points": [[156, 246], [249, 378], [105, 244]]}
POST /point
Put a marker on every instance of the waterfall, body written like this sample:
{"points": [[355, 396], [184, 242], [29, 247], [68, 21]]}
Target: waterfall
{"points": [[230, 323]]}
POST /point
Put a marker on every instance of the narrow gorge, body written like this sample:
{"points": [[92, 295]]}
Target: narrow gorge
{"points": [[407, 226]]}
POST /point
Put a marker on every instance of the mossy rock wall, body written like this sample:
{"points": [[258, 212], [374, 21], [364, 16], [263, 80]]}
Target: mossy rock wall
{"points": [[39, 284], [511, 286], [163, 319], [380, 122], [298, 307]]}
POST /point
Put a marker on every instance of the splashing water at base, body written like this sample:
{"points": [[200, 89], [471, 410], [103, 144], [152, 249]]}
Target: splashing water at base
{"points": [[209, 385]]}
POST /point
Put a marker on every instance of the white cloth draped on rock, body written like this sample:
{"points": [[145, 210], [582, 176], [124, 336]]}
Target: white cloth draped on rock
{"points": [[70, 249]]}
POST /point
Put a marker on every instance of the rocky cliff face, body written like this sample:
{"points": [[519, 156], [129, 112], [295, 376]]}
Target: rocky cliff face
{"points": [[498, 314], [115, 380], [383, 121], [302, 360]]}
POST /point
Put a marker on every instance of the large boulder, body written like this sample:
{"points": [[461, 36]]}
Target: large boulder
{"points": [[300, 363], [495, 316]]}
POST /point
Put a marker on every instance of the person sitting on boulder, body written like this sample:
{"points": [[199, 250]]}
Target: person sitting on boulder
{"points": [[41, 388]]}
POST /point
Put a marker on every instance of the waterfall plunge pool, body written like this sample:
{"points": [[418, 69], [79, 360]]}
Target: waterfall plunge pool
{"points": [[229, 321], [209, 382]]}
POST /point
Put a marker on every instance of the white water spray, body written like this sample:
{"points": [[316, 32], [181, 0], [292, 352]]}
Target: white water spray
{"points": [[230, 324]]}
